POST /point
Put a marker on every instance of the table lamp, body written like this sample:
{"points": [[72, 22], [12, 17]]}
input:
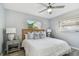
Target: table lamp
{"points": [[49, 32]]}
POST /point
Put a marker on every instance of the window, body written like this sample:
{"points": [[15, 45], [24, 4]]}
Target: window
{"points": [[70, 25]]}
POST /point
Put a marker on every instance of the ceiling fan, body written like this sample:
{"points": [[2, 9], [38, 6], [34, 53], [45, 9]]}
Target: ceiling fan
{"points": [[50, 7]]}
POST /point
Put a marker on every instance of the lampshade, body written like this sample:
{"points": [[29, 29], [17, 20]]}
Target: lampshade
{"points": [[10, 30], [48, 30]]}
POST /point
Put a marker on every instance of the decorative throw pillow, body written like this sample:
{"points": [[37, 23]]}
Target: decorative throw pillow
{"points": [[42, 34], [30, 35], [36, 35]]}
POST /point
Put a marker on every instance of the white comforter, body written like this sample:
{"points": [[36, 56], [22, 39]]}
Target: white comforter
{"points": [[45, 47], [71, 37]]}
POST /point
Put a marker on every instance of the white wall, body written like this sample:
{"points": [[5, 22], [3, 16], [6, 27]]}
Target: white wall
{"points": [[2, 25], [55, 25], [18, 20]]}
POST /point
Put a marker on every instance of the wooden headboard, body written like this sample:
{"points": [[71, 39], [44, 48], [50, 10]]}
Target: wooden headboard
{"points": [[25, 31]]}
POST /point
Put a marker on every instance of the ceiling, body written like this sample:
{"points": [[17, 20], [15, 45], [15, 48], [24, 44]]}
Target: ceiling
{"points": [[34, 8]]}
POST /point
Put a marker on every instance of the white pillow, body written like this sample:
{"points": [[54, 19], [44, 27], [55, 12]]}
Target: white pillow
{"points": [[42, 34]]}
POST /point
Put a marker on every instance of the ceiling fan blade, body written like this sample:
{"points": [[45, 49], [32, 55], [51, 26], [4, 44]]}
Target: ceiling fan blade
{"points": [[58, 6], [43, 10], [52, 3], [43, 4]]}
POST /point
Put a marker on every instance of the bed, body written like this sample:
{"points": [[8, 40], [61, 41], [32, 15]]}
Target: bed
{"points": [[45, 47], [71, 37]]}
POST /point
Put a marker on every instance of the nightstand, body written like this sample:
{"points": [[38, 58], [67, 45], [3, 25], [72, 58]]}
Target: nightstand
{"points": [[49, 34], [12, 45]]}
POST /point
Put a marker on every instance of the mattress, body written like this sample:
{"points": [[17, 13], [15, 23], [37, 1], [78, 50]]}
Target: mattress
{"points": [[45, 47]]}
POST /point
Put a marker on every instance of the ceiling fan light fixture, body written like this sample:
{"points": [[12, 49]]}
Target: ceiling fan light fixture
{"points": [[49, 10]]}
